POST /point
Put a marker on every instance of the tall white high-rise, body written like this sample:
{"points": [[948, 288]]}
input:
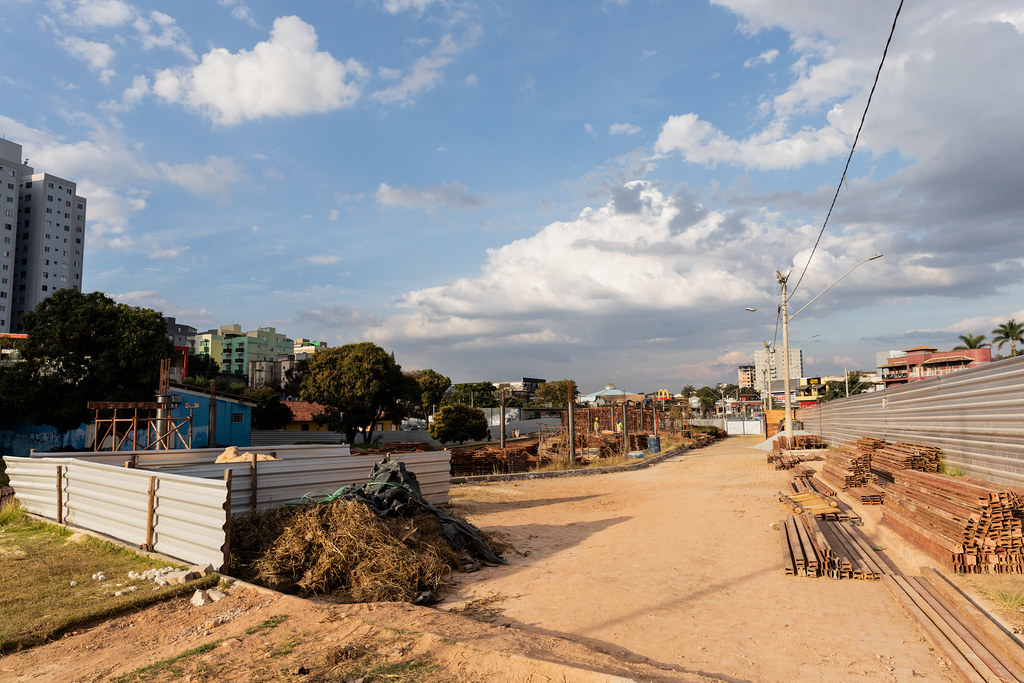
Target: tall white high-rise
{"points": [[770, 365], [43, 236]]}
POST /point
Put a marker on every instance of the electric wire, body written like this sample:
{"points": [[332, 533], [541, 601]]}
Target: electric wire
{"points": [[842, 178]]}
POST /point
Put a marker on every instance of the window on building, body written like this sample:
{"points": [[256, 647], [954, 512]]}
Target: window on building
{"points": [[80, 207], [44, 288], [49, 185], [28, 184], [236, 417], [8, 212], [49, 197], [7, 226]]}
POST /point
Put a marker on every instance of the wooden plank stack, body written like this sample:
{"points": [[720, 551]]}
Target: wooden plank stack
{"points": [[966, 524], [815, 547], [894, 457], [841, 511], [786, 461], [494, 460], [848, 467]]}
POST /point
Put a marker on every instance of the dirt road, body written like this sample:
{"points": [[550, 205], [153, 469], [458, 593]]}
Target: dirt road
{"points": [[679, 564]]}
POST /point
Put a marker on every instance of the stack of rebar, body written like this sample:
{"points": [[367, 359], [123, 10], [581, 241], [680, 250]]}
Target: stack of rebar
{"points": [[966, 524], [494, 460]]}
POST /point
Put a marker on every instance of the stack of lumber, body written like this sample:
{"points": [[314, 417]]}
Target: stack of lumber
{"points": [[494, 460], [797, 441], [966, 524], [810, 502], [407, 447], [974, 644], [700, 440], [814, 547], [894, 457], [848, 467]]}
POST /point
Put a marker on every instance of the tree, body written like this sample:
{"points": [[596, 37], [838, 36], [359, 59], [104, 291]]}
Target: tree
{"points": [[555, 394], [293, 377], [971, 341], [478, 395], [1011, 331], [361, 382], [458, 422], [202, 366], [432, 386], [81, 348], [270, 412]]}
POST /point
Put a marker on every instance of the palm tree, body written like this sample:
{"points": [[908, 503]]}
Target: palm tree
{"points": [[1011, 331], [971, 341]]}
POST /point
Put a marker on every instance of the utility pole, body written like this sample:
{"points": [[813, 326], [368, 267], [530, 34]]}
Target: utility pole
{"points": [[501, 417], [571, 423]]}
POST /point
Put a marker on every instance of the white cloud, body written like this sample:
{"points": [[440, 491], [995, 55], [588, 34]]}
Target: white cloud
{"points": [[398, 6], [623, 129], [471, 80], [239, 10], [766, 57], [700, 142], [428, 71], [333, 215], [159, 30], [323, 259], [102, 13], [283, 76], [110, 212], [216, 176], [96, 55], [588, 128], [448, 195]]}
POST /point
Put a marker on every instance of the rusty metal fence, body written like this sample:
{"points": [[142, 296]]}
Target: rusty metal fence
{"points": [[975, 416]]}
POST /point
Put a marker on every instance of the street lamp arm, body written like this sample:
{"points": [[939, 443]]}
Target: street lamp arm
{"points": [[872, 258]]}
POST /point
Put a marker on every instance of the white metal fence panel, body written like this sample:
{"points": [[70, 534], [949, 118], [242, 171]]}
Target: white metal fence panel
{"points": [[975, 416], [190, 517], [268, 437], [188, 512], [110, 500], [194, 456], [278, 482], [35, 484]]}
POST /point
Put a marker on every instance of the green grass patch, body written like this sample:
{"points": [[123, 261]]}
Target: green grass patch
{"points": [[38, 563], [174, 666], [268, 624], [952, 470], [1006, 599]]}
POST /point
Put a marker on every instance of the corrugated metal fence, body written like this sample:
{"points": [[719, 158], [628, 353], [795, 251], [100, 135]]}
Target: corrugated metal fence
{"points": [[975, 416], [175, 502], [180, 516]]}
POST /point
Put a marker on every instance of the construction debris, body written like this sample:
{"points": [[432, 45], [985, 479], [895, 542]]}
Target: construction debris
{"points": [[796, 442], [477, 460]]}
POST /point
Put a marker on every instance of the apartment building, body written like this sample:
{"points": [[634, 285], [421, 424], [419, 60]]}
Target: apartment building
{"points": [[769, 365], [234, 349], [43, 237]]}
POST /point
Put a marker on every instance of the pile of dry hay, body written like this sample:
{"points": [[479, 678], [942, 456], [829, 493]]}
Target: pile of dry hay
{"points": [[343, 549]]}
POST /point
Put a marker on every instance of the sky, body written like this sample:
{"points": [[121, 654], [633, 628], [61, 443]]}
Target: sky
{"points": [[593, 190]]}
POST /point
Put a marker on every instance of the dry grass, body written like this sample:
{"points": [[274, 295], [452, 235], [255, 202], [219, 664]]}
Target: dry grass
{"points": [[342, 549]]}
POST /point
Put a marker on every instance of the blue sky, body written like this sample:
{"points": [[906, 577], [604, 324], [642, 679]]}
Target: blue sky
{"points": [[592, 190]]}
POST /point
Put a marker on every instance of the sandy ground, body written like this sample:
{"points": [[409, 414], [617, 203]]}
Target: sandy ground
{"points": [[679, 564], [673, 572]]}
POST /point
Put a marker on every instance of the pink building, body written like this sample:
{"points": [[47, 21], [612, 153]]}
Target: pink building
{"points": [[923, 361]]}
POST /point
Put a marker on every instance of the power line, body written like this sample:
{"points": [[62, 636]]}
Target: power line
{"points": [[842, 179]]}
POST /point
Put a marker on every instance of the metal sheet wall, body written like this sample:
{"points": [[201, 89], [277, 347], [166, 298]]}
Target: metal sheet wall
{"points": [[280, 481], [188, 512], [194, 456], [975, 416]]}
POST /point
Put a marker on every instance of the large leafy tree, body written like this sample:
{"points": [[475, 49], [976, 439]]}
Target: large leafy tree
{"points": [[360, 382], [81, 348], [458, 422], [1010, 332], [478, 395], [432, 386], [555, 394]]}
